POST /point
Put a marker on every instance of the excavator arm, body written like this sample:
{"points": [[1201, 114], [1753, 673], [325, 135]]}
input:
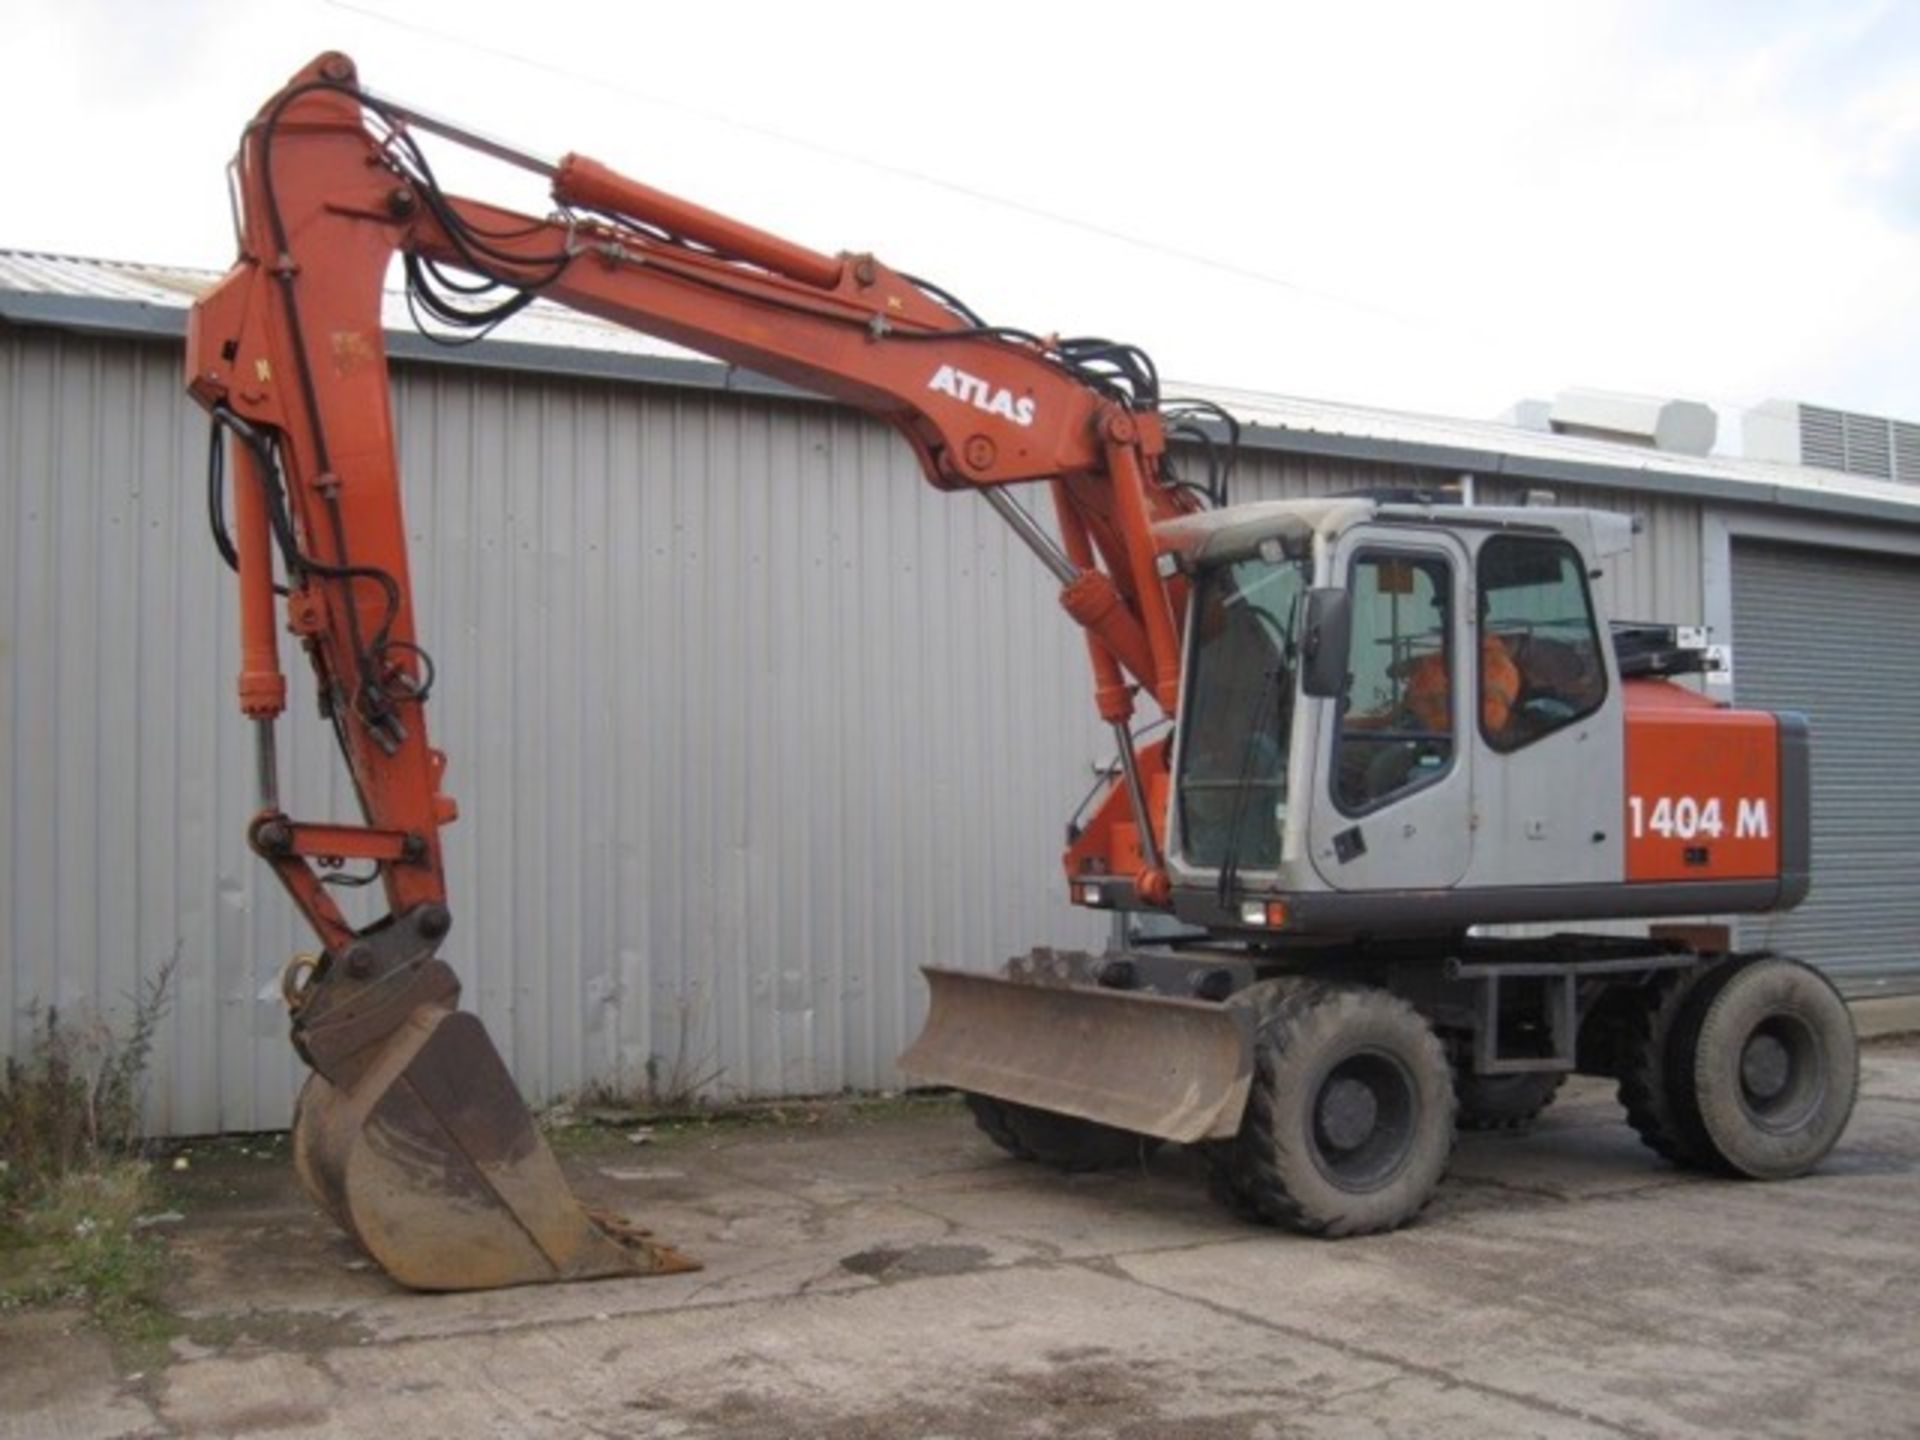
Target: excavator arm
{"points": [[410, 1130]]}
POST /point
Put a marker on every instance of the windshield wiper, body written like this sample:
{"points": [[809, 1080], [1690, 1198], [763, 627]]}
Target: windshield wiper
{"points": [[1276, 695]]}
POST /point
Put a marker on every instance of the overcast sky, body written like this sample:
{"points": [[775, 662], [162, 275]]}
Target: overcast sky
{"points": [[1439, 206]]}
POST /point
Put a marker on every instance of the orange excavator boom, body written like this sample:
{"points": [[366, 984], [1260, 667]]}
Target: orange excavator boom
{"points": [[410, 1130]]}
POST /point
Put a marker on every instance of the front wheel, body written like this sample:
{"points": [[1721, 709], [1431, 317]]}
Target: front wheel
{"points": [[1349, 1123], [1064, 1142]]}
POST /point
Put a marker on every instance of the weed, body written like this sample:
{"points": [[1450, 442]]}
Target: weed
{"points": [[665, 1087], [74, 1100], [72, 1184]]}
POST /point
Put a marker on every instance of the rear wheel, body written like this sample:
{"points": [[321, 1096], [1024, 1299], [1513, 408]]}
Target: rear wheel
{"points": [[1064, 1142], [1504, 1102], [1349, 1123], [1774, 1067], [1655, 1080]]}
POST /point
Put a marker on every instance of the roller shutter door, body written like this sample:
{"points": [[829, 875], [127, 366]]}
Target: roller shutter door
{"points": [[1836, 634]]}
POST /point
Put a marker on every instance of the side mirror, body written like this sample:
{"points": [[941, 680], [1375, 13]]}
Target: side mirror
{"points": [[1323, 642]]}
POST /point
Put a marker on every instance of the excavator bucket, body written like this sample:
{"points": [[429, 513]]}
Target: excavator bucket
{"points": [[1179, 1069], [431, 1161]]}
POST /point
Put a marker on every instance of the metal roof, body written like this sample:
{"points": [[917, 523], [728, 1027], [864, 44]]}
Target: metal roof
{"points": [[172, 289], [1488, 447], [126, 298]]}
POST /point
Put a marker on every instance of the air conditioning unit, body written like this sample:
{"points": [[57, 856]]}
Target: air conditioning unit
{"points": [[1802, 434]]}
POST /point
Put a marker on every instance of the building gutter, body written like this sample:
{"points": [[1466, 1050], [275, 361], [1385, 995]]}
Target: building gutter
{"points": [[139, 320]]}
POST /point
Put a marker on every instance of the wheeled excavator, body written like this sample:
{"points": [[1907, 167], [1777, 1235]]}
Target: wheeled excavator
{"points": [[1405, 749]]}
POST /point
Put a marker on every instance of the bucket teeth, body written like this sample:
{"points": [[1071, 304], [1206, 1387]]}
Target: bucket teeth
{"points": [[431, 1161]]}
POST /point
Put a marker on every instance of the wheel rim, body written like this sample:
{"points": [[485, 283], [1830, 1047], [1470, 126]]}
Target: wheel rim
{"points": [[1782, 1073], [1362, 1126]]}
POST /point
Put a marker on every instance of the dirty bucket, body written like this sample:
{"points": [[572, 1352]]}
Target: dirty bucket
{"points": [[429, 1158]]}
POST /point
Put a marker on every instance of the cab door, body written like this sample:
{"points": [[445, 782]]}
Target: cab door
{"points": [[1549, 766], [1393, 797]]}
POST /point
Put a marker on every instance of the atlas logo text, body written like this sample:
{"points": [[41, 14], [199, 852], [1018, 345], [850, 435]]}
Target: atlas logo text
{"points": [[982, 396]]}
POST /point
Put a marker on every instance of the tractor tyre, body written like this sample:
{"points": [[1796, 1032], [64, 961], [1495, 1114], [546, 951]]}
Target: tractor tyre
{"points": [[1774, 1066], [1349, 1123], [1063, 1142], [1656, 1075], [994, 1122], [1227, 1174], [1504, 1102], [1066, 1142], [1226, 1180]]}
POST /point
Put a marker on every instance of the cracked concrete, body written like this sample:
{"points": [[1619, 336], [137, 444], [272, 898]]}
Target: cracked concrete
{"points": [[898, 1276]]}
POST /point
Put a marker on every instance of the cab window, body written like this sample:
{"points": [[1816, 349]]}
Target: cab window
{"points": [[1540, 663], [1238, 704], [1396, 722]]}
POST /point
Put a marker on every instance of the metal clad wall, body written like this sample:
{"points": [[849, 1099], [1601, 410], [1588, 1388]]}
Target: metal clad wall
{"points": [[745, 720], [1660, 578], [1266, 476], [746, 723], [1831, 633]]}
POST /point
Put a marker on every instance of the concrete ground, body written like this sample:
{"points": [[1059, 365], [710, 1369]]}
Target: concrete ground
{"points": [[887, 1272]]}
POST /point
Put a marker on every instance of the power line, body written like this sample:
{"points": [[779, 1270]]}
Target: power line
{"points": [[1453, 330], [907, 172]]}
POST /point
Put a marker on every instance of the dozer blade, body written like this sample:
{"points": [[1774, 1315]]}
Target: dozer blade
{"points": [[431, 1161], [1179, 1069]]}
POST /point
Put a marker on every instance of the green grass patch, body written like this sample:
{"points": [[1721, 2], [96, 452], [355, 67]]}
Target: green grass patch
{"points": [[81, 1240], [598, 1124]]}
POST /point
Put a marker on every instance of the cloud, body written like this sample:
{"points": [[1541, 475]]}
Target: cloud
{"points": [[1450, 206]]}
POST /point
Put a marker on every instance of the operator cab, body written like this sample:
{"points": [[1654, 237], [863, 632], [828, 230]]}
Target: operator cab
{"points": [[1391, 711]]}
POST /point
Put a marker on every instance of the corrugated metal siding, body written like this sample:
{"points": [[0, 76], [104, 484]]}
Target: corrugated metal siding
{"points": [[1264, 476], [747, 723], [1831, 633]]}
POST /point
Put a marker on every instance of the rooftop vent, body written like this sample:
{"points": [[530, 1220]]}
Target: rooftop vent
{"points": [[1684, 427], [1801, 434]]}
